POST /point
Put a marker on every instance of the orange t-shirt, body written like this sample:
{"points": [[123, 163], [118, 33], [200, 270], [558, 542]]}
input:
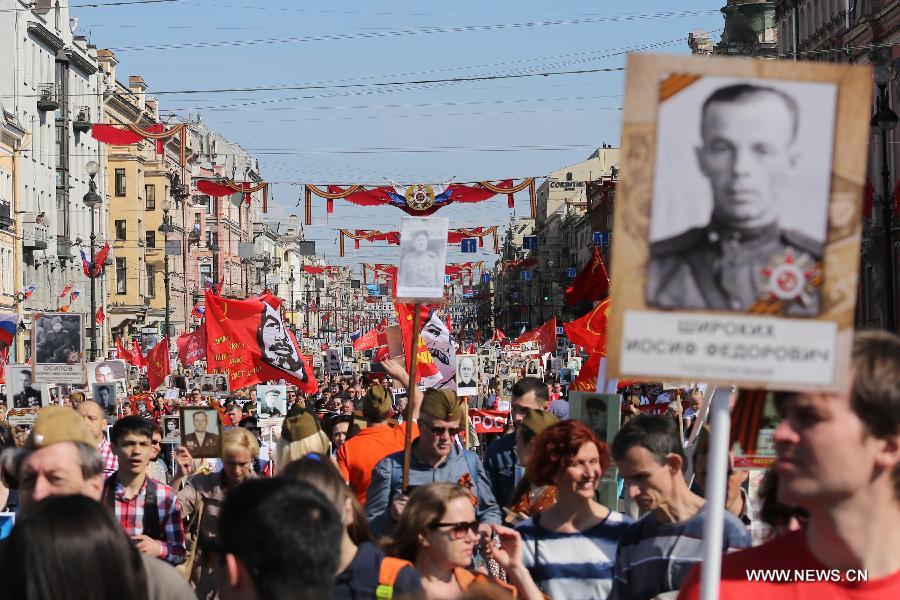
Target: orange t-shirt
{"points": [[785, 569], [358, 456]]}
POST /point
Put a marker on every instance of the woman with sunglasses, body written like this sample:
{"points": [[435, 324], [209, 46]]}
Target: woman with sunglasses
{"points": [[438, 532], [570, 548]]}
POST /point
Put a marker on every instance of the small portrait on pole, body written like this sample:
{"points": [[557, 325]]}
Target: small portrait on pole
{"points": [[201, 432], [105, 395], [107, 371], [58, 347], [271, 400], [215, 384], [488, 366], [423, 257], [171, 429], [739, 207], [466, 375]]}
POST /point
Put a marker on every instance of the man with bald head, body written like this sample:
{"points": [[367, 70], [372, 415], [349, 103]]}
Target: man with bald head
{"points": [[96, 422], [742, 255]]}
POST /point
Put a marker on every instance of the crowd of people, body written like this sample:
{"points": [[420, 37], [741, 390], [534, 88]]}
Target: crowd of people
{"points": [[327, 506]]}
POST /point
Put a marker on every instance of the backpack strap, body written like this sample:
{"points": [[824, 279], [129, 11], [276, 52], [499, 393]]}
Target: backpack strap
{"points": [[152, 526], [109, 491], [387, 575]]}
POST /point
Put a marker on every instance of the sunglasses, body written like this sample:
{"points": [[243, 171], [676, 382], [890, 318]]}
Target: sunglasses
{"points": [[457, 531], [438, 431]]}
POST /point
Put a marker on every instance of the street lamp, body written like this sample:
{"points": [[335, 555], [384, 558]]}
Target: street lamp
{"points": [[293, 306], [886, 120], [165, 228], [92, 200]]}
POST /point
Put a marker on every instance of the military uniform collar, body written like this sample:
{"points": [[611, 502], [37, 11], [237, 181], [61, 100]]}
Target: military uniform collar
{"points": [[719, 232]]}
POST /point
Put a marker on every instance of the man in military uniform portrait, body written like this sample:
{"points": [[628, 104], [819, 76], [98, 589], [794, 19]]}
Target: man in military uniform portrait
{"points": [[58, 340], [744, 255], [420, 267], [28, 396], [200, 442]]}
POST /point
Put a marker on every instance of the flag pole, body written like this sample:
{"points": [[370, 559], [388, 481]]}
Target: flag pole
{"points": [[413, 361]]}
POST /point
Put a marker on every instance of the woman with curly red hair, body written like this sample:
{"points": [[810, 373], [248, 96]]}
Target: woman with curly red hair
{"points": [[570, 548]]}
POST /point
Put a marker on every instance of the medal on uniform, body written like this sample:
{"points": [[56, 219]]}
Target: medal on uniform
{"points": [[790, 278]]}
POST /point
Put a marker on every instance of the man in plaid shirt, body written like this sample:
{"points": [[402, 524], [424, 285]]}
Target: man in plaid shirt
{"points": [[96, 421], [148, 510]]}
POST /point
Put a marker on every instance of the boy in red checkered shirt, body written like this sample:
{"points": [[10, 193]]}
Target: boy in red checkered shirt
{"points": [[147, 509]]}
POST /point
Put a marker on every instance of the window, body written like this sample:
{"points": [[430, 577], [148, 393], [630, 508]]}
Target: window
{"points": [[150, 196], [120, 230], [151, 240], [121, 276], [569, 176], [120, 182], [204, 202], [151, 280], [205, 271], [212, 239]]}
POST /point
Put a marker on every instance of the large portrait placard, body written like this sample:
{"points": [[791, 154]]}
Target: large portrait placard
{"points": [[423, 259], [738, 216], [57, 348]]}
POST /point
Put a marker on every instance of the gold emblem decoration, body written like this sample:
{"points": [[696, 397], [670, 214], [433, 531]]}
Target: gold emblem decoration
{"points": [[420, 197]]}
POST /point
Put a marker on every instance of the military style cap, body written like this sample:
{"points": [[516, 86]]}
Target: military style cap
{"points": [[537, 420], [442, 404], [56, 424], [301, 426], [377, 400]]}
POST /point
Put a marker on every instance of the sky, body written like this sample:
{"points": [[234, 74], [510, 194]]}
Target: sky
{"points": [[357, 113]]}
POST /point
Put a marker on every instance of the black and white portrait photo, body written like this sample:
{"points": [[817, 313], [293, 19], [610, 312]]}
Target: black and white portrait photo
{"points": [[215, 384], [533, 368], [105, 395], [508, 383], [334, 360], [107, 371], [21, 390], [740, 195], [488, 366], [466, 375], [201, 432], [600, 412], [271, 400], [423, 256], [58, 339], [171, 425]]}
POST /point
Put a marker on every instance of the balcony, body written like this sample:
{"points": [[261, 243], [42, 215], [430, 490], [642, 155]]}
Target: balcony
{"points": [[6, 220], [48, 97], [82, 122], [34, 236]]}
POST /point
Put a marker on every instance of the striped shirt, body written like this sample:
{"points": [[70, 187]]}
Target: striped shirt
{"points": [[655, 557], [573, 566]]}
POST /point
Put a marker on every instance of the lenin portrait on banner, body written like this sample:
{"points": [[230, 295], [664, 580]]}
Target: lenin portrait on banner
{"points": [[742, 220], [279, 348]]}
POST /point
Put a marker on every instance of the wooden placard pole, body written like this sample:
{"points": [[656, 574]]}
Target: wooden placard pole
{"points": [[413, 362]]}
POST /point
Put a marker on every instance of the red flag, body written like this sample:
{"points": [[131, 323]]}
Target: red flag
{"points": [[99, 259], [66, 290], [122, 353], [591, 284], [366, 341], [425, 363], [101, 316], [470, 349], [158, 364], [545, 336], [589, 331], [137, 353], [498, 336], [192, 346], [248, 340]]}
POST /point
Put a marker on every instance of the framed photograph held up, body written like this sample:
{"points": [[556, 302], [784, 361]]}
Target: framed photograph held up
{"points": [[201, 431], [739, 208], [423, 258]]}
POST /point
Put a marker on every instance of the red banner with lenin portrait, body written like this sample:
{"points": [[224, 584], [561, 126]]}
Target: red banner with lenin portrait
{"points": [[249, 341]]}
